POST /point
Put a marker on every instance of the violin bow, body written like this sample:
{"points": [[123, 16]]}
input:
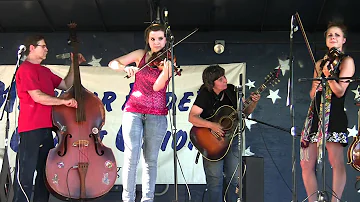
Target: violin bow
{"points": [[166, 50], [297, 16]]}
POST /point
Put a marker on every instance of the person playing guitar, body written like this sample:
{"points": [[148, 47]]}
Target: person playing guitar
{"points": [[214, 94]]}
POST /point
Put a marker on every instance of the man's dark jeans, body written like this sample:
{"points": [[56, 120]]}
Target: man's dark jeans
{"points": [[33, 150]]}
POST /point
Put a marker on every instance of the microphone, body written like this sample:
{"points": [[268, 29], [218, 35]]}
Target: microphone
{"points": [[157, 21], [22, 48], [292, 21], [293, 27], [168, 33], [166, 13], [63, 56]]}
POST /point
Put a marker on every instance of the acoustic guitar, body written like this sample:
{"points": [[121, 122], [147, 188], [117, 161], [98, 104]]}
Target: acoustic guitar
{"points": [[212, 145]]}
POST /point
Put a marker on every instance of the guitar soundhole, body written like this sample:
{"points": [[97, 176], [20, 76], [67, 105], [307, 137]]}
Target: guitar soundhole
{"points": [[226, 123]]}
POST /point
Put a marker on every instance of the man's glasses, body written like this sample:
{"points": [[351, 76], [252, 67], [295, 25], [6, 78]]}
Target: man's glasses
{"points": [[43, 46]]}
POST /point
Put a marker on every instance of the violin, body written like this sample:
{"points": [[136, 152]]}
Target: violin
{"points": [[160, 53], [157, 61], [333, 56]]}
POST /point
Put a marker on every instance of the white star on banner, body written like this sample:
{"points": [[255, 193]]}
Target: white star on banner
{"points": [[352, 131], [250, 84], [357, 94], [248, 122], [95, 62], [274, 95], [283, 65]]}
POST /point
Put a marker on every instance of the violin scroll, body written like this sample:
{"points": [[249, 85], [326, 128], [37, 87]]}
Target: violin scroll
{"points": [[333, 56]]}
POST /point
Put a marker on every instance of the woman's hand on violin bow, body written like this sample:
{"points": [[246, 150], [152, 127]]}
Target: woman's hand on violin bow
{"points": [[131, 70]]}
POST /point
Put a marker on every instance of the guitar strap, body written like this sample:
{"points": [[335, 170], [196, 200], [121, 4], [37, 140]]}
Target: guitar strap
{"points": [[232, 95], [218, 97], [217, 100], [197, 157]]}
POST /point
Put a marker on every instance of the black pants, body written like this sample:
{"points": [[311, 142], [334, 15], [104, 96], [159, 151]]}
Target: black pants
{"points": [[33, 150]]}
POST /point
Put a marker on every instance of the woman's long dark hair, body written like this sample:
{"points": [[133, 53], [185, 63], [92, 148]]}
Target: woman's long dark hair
{"points": [[152, 27]]}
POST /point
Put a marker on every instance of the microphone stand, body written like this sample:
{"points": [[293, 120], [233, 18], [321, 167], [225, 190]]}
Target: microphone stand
{"points": [[322, 195], [240, 145], [271, 125], [5, 176], [173, 73], [290, 103]]}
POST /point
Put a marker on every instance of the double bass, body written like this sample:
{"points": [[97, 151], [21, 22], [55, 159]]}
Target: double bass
{"points": [[80, 167]]}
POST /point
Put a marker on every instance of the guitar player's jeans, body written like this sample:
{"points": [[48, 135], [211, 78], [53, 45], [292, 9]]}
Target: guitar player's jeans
{"points": [[219, 173], [147, 132]]}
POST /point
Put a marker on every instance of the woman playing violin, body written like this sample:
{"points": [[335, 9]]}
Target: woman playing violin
{"points": [[144, 122], [335, 117]]}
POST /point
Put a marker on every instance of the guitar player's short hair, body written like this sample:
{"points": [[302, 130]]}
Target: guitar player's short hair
{"points": [[210, 74]]}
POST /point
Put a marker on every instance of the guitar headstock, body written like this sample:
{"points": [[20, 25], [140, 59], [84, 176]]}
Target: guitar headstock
{"points": [[272, 78]]}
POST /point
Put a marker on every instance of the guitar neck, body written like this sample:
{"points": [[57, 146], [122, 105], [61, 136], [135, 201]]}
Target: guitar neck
{"points": [[358, 121], [249, 101]]}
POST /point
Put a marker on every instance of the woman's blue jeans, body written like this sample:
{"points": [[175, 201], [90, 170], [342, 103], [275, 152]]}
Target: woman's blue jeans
{"points": [[144, 131]]}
